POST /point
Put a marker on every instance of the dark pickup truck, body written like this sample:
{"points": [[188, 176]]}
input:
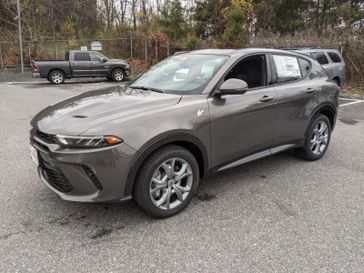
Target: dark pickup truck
{"points": [[81, 64]]}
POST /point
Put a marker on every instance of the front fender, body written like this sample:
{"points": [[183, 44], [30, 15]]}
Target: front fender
{"points": [[155, 143]]}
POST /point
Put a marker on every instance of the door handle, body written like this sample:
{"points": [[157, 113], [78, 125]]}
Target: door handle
{"points": [[310, 90], [266, 99]]}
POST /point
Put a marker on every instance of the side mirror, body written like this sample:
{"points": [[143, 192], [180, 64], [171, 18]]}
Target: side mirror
{"points": [[103, 60], [232, 87]]}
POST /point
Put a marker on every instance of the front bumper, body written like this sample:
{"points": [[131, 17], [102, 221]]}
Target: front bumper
{"points": [[128, 72], [84, 175]]}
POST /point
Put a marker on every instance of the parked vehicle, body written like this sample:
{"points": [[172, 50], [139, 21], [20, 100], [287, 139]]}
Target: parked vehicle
{"points": [[331, 61], [359, 24], [186, 118], [81, 64]]}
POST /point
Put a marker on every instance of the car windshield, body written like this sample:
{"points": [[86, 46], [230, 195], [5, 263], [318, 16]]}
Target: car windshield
{"points": [[181, 74]]}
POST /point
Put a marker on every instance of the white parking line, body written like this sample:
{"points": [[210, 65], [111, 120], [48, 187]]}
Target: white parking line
{"points": [[340, 98], [354, 101]]}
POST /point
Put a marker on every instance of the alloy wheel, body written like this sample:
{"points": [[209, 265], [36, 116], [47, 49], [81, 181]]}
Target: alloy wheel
{"points": [[319, 138], [118, 75], [171, 183], [57, 77]]}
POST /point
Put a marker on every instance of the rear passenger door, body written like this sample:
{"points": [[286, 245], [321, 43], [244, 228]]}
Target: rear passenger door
{"points": [[296, 95], [81, 65]]}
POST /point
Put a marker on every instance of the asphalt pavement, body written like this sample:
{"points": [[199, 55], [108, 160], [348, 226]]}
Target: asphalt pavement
{"points": [[278, 214]]}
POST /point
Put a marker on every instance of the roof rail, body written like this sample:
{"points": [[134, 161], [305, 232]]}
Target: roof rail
{"points": [[307, 47]]}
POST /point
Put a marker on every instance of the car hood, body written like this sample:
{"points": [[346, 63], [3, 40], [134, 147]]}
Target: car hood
{"points": [[76, 115]]}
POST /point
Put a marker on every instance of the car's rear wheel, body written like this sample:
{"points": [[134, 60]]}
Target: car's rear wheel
{"points": [[166, 181], [56, 77], [317, 138], [118, 75]]}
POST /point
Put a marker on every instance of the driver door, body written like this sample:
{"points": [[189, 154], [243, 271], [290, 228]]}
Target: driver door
{"points": [[242, 125], [98, 67]]}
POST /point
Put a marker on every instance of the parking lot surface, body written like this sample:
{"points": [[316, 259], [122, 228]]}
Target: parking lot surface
{"points": [[279, 214]]}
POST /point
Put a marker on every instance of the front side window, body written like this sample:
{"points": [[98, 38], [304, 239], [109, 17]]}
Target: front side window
{"points": [[320, 57], [335, 58], [82, 56], [252, 70], [96, 57], [286, 69], [182, 74]]}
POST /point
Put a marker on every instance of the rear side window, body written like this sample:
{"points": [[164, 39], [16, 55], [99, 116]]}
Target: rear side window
{"points": [[320, 57], [82, 56], [335, 58], [304, 66], [287, 68]]}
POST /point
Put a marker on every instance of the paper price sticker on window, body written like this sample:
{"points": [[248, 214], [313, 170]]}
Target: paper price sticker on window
{"points": [[287, 66]]}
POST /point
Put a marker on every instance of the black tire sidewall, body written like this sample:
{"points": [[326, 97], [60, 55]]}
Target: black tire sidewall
{"points": [[115, 70], [141, 192], [308, 152]]}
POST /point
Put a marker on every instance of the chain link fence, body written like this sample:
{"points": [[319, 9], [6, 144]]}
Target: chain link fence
{"points": [[139, 48]]}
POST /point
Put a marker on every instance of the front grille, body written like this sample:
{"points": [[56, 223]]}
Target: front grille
{"points": [[92, 177], [45, 137], [55, 177]]}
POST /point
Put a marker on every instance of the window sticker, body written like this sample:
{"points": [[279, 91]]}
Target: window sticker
{"points": [[287, 66], [181, 74]]}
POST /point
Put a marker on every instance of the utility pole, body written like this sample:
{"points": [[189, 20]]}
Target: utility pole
{"points": [[20, 39]]}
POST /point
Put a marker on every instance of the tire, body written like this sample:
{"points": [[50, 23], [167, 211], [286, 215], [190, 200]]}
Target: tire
{"points": [[56, 77], [317, 138], [157, 191], [118, 75]]}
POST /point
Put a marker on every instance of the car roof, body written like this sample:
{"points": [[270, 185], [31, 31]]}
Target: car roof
{"points": [[231, 52]]}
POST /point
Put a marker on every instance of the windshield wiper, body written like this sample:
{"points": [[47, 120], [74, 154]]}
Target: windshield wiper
{"points": [[146, 88]]}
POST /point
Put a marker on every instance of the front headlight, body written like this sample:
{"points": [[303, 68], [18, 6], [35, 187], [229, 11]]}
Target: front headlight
{"points": [[87, 141]]}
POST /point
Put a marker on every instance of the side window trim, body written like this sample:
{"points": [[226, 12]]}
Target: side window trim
{"points": [[274, 69]]}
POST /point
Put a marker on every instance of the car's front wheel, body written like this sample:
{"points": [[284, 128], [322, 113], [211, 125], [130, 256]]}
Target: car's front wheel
{"points": [[166, 181], [118, 75], [317, 138]]}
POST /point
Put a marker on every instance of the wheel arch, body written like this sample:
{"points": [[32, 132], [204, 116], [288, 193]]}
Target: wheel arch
{"points": [[116, 67], [337, 79], [328, 110], [56, 69], [187, 141]]}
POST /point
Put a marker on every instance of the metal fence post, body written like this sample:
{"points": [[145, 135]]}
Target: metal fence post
{"points": [[131, 47], [30, 53], [55, 44], [1, 58], [168, 48], [156, 51], [146, 49]]}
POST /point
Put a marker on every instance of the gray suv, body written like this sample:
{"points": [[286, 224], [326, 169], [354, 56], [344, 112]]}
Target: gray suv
{"points": [[188, 117], [330, 59]]}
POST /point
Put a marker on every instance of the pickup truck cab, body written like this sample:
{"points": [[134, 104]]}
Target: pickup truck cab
{"points": [[81, 64]]}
